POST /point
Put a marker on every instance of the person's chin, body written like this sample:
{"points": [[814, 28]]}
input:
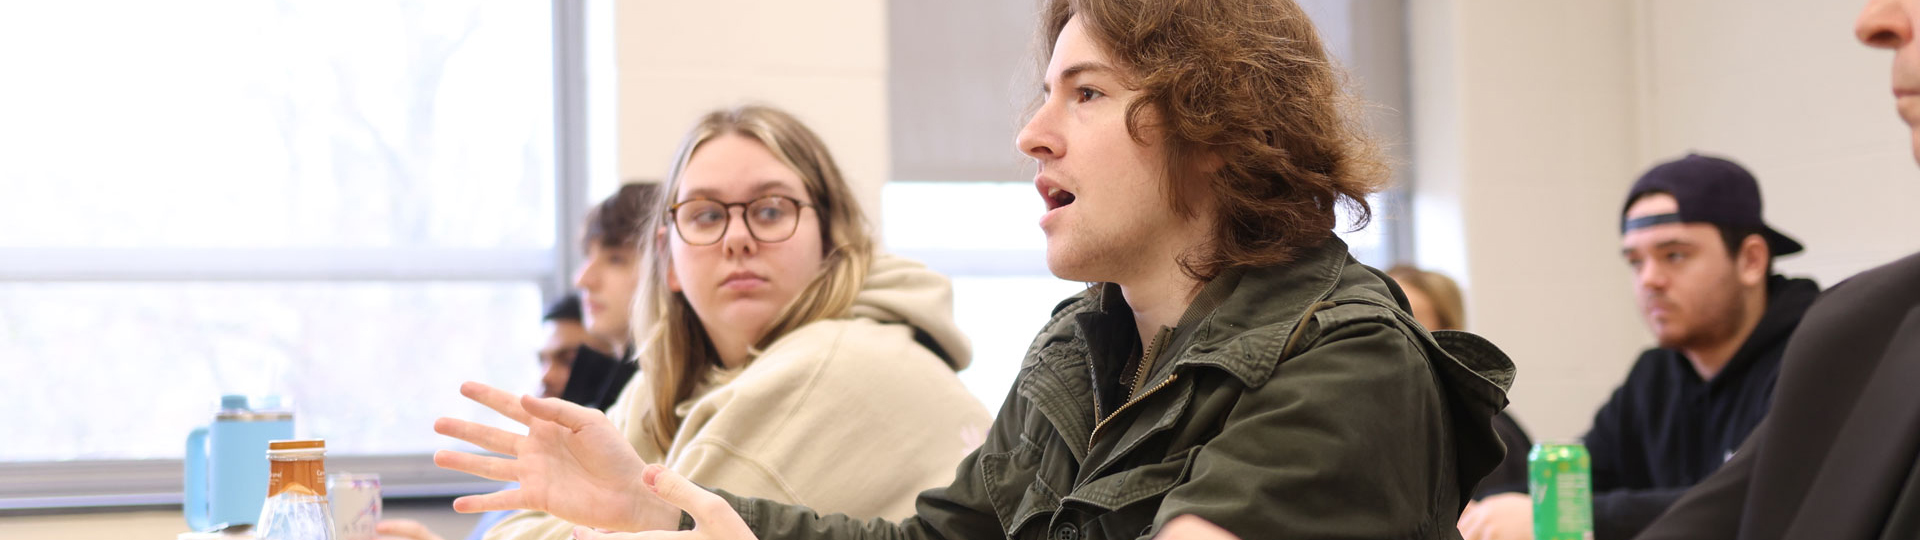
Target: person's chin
{"points": [[607, 330], [1067, 263], [747, 311], [1669, 338]]}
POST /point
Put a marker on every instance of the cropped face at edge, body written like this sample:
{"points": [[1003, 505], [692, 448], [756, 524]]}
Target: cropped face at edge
{"points": [[1889, 24]]}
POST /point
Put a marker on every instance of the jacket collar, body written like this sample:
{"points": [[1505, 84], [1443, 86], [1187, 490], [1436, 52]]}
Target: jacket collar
{"points": [[1245, 335], [1239, 321]]}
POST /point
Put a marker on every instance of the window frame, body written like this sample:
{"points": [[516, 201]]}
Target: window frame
{"points": [[39, 487]]}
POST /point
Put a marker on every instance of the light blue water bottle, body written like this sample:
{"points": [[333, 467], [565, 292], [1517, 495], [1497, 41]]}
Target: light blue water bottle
{"points": [[226, 467]]}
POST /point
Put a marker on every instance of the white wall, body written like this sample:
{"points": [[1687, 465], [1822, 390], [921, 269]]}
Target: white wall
{"points": [[1533, 118], [824, 61], [1523, 145], [1784, 88]]}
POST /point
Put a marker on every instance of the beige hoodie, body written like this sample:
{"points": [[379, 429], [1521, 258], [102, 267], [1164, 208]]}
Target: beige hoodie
{"points": [[848, 415]]}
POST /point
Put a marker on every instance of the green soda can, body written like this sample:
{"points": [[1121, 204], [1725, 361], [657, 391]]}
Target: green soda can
{"points": [[1560, 476]]}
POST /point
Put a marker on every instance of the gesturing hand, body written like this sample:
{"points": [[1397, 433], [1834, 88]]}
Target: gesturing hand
{"points": [[572, 463], [713, 519]]}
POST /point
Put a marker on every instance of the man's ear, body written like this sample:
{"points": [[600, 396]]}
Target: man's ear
{"points": [[1751, 262], [1208, 161], [1194, 193]]}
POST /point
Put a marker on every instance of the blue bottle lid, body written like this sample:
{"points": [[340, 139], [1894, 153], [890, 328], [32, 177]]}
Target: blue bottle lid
{"points": [[234, 408]]}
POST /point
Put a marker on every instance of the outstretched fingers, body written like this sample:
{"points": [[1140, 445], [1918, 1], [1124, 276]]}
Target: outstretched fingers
{"points": [[560, 411], [491, 468], [508, 499], [501, 401], [492, 439]]}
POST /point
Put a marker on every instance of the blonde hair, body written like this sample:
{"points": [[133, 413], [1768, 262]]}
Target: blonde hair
{"points": [[674, 351], [1448, 304]]}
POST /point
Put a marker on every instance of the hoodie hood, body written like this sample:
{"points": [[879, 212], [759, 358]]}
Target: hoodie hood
{"points": [[1787, 301], [903, 291]]}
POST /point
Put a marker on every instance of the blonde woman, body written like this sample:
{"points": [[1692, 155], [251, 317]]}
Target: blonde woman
{"points": [[779, 357]]}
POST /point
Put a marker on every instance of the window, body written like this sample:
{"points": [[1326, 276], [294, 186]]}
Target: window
{"points": [[349, 203], [1002, 291]]}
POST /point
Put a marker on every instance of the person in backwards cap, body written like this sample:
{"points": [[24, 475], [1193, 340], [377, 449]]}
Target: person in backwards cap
{"points": [[575, 364], [1702, 261], [1835, 461]]}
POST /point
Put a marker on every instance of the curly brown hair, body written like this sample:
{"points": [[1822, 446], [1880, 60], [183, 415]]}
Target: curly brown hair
{"points": [[1246, 82]]}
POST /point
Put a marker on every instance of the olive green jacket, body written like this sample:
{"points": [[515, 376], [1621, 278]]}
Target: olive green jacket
{"points": [[1298, 401]]}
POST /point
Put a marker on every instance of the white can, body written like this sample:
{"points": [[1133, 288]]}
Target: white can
{"points": [[356, 505]]}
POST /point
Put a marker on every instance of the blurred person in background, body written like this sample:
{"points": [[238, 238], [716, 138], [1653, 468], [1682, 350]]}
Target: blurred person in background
{"points": [[567, 343], [1836, 459], [609, 275], [1702, 261]]}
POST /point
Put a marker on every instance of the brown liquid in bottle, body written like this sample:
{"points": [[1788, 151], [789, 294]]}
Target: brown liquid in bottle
{"points": [[296, 507], [303, 473]]}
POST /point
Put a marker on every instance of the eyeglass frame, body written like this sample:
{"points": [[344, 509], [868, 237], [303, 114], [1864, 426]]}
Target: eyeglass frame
{"points": [[673, 217]]}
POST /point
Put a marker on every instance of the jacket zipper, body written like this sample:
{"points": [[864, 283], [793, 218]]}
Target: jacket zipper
{"points": [[1095, 436], [1140, 373]]}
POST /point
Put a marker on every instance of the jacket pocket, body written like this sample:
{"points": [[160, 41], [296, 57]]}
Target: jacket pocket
{"points": [[1014, 488], [1125, 504]]}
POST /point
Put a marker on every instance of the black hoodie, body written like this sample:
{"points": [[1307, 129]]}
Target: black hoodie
{"points": [[1665, 429], [597, 378]]}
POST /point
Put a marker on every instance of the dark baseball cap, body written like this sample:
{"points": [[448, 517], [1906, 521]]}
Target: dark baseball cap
{"points": [[1708, 190]]}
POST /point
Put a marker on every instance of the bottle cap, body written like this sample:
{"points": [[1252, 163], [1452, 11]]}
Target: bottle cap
{"points": [[296, 449]]}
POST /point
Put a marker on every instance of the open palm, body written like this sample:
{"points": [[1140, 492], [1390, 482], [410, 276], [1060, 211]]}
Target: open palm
{"points": [[572, 463]]}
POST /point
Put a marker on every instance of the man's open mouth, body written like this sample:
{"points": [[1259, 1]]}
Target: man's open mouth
{"points": [[1057, 197]]}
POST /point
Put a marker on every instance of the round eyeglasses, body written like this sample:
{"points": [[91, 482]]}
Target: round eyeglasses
{"points": [[702, 222]]}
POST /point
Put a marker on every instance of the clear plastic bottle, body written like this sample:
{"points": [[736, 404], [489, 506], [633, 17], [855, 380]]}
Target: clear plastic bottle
{"points": [[296, 507]]}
